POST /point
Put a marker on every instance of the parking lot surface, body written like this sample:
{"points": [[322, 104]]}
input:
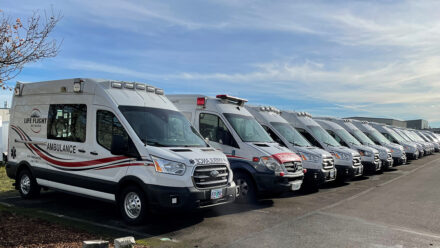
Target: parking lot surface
{"points": [[399, 208]]}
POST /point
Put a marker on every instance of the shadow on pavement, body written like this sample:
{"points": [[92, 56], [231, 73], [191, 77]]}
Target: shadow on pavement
{"points": [[108, 214]]}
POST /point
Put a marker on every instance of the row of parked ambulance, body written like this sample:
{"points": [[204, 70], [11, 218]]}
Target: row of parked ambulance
{"points": [[131, 144]]}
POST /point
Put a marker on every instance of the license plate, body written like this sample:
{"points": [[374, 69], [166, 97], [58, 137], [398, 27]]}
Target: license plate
{"points": [[332, 174], [216, 194], [295, 186]]}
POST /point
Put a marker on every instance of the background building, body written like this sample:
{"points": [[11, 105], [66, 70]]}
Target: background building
{"points": [[415, 124], [393, 122]]}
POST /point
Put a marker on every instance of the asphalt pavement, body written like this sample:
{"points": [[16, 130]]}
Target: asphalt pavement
{"points": [[399, 208]]}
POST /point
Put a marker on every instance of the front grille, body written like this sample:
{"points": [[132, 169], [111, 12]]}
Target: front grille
{"points": [[376, 157], [293, 166], [210, 176], [356, 161], [328, 163]]}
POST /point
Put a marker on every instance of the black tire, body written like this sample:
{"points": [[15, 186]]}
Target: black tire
{"points": [[133, 205], [27, 185], [246, 188]]}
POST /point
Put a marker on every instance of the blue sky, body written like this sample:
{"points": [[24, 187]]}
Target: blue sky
{"points": [[333, 58]]}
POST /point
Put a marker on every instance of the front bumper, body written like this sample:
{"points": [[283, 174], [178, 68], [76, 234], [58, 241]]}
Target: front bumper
{"points": [[346, 173], [414, 156], [269, 183], [317, 177], [372, 166], [401, 160], [177, 198], [386, 164]]}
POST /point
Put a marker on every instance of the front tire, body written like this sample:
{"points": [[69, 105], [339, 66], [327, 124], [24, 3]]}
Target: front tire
{"points": [[246, 188], [133, 205], [27, 185]]}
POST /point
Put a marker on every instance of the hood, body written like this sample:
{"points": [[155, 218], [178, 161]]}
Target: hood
{"points": [[380, 148], [271, 149], [314, 150], [366, 148], [343, 149], [189, 155]]}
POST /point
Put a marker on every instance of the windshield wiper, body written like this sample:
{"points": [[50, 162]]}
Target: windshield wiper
{"points": [[327, 143], [155, 143], [295, 144]]}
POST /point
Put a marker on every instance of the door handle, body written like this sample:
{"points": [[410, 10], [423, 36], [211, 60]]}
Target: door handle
{"points": [[94, 153], [81, 150]]}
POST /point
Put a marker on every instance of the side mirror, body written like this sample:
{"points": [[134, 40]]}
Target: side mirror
{"points": [[119, 145]]}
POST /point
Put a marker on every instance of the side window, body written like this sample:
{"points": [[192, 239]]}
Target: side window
{"points": [[107, 128], [67, 122], [337, 138], [372, 138], [309, 137], [213, 128], [273, 135]]}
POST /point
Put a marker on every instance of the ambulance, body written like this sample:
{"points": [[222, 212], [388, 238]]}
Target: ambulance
{"points": [[260, 165], [122, 142], [397, 151], [369, 156], [412, 149], [385, 154], [318, 163], [347, 161]]}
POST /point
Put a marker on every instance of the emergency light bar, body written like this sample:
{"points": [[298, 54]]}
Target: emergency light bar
{"points": [[140, 86], [137, 86], [304, 114], [238, 101], [270, 109], [129, 85]]}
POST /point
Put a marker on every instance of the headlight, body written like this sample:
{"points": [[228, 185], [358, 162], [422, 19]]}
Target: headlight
{"points": [[341, 155], [169, 167], [310, 157], [271, 164], [365, 153]]}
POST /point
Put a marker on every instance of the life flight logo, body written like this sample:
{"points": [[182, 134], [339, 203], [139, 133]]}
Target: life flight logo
{"points": [[35, 120]]}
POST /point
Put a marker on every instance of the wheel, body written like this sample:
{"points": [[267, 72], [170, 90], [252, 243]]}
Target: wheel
{"points": [[246, 188], [27, 185], [133, 205]]}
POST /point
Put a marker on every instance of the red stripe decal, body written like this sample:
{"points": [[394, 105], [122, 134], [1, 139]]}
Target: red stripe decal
{"points": [[121, 165], [233, 156], [77, 164]]}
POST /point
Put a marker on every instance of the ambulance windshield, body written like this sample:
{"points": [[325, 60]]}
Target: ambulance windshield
{"points": [[162, 127]]}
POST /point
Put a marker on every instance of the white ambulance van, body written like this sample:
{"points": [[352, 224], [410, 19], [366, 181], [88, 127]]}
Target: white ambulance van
{"points": [[319, 163], [397, 151], [347, 161], [260, 165], [369, 156], [408, 137], [425, 137], [412, 150], [385, 154], [427, 145], [118, 141]]}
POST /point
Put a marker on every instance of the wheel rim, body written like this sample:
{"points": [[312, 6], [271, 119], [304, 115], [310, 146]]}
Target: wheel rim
{"points": [[132, 205], [25, 184], [243, 187]]}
